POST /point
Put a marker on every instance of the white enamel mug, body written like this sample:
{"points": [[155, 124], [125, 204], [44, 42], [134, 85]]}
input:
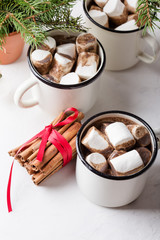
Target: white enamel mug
{"points": [[53, 97], [123, 49], [106, 190]]}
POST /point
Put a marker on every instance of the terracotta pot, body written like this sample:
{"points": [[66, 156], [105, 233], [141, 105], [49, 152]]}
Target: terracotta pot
{"points": [[12, 48]]}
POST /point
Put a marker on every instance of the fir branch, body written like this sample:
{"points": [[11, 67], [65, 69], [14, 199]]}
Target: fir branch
{"points": [[29, 5], [147, 14], [22, 25], [32, 17]]}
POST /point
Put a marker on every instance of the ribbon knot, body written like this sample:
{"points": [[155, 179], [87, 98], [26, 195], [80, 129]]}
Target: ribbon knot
{"points": [[51, 135], [48, 128]]}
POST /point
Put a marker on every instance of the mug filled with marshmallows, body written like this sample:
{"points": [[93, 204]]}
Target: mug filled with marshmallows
{"points": [[115, 151], [114, 23], [65, 71]]}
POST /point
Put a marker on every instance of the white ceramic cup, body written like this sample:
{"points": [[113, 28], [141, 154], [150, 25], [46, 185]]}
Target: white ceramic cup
{"points": [[106, 190], [123, 48], [53, 97]]}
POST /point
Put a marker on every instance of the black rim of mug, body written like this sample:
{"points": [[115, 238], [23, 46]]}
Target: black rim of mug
{"points": [[66, 87], [105, 28], [79, 151]]}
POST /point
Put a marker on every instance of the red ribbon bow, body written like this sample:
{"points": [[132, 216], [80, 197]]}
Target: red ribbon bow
{"points": [[51, 135]]}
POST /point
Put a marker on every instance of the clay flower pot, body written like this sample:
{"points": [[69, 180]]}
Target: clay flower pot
{"points": [[12, 48]]}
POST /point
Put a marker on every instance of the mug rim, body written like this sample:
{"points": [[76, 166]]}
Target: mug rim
{"points": [[105, 28], [100, 174], [67, 86]]}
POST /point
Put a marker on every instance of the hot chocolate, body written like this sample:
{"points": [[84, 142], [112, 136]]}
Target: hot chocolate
{"points": [[116, 14], [67, 60], [124, 144]]}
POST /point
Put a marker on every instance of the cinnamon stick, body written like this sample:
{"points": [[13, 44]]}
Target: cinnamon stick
{"points": [[61, 131], [51, 151], [25, 153], [54, 164], [52, 159], [28, 168], [13, 152]]}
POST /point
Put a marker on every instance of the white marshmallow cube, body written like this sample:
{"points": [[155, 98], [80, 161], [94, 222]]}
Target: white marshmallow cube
{"points": [[39, 55], [42, 60], [70, 78], [68, 49], [87, 65], [86, 42], [114, 8], [50, 43], [126, 163], [61, 66], [128, 26], [119, 135], [99, 17], [95, 141], [141, 134], [131, 5], [97, 161]]}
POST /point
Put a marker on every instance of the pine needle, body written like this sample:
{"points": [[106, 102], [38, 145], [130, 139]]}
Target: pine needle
{"points": [[32, 17], [147, 14]]}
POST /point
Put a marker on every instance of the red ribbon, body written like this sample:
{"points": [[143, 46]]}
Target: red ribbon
{"points": [[51, 135]]}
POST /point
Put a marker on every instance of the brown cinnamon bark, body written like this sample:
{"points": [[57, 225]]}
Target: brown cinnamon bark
{"points": [[52, 160], [28, 168], [13, 152], [51, 151], [54, 164], [39, 178], [24, 154], [61, 131]]}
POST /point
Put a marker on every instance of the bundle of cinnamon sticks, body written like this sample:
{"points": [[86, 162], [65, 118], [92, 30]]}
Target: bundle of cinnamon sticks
{"points": [[52, 158]]}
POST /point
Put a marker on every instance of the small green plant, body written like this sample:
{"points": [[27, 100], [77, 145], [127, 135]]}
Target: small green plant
{"points": [[147, 13], [32, 17]]}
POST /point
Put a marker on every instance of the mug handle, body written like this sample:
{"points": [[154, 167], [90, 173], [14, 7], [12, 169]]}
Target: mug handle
{"points": [[21, 90], [153, 43], [157, 133]]}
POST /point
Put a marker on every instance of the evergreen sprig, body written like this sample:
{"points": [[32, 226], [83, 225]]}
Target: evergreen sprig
{"points": [[32, 17], [147, 14]]}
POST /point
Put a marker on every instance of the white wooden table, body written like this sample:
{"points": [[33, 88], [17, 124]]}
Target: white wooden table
{"points": [[57, 209]]}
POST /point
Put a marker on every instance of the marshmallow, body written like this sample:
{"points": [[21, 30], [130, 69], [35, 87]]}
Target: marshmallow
{"points": [[116, 153], [68, 49], [145, 154], [87, 65], [141, 134], [119, 136], [61, 66], [48, 44], [97, 161], [99, 17], [116, 11], [114, 8], [131, 5], [86, 42], [130, 25], [101, 3], [42, 60], [70, 78], [127, 163], [96, 141]]}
